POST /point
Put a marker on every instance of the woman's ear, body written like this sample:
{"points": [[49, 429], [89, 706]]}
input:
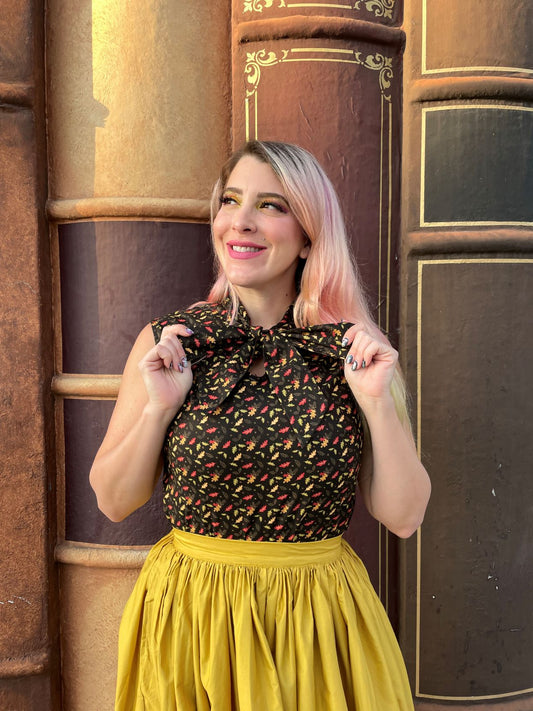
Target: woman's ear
{"points": [[304, 252]]}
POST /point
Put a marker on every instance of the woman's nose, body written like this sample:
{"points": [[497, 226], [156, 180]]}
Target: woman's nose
{"points": [[243, 220]]}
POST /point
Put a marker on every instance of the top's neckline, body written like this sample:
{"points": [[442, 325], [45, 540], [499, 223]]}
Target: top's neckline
{"points": [[243, 317]]}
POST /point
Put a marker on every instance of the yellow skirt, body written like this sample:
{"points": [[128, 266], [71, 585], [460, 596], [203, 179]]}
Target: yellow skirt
{"points": [[223, 625]]}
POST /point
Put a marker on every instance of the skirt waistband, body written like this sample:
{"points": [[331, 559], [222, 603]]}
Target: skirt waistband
{"points": [[258, 553]]}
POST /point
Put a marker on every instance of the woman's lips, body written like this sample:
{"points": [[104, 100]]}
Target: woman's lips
{"points": [[244, 250]]}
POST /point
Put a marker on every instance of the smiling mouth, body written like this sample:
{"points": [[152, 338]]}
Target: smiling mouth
{"points": [[239, 248]]}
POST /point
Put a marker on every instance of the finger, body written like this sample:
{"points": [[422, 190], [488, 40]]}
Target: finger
{"points": [[350, 333], [368, 353], [166, 353], [172, 341], [363, 348], [360, 342], [357, 361], [171, 335], [173, 346], [178, 329]]}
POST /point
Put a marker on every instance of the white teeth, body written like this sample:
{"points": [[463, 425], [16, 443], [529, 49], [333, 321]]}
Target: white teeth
{"points": [[238, 248]]}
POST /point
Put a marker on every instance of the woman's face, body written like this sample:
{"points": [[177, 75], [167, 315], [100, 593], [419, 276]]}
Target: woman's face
{"points": [[257, 238]]}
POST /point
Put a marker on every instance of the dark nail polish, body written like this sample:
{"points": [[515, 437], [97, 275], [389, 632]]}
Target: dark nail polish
{"points": [[349, 359]]}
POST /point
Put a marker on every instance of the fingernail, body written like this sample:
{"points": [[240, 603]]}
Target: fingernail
{"points": [[363, 364], [180, 368], [354, 366], [344, 342], [349, 358], [170, 365], [189, 331], [185, 363]]}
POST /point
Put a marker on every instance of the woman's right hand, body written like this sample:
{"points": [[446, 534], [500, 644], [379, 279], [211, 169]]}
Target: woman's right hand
{"points": [[166, 372]]}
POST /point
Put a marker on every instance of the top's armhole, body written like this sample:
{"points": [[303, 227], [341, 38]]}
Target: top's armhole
{"points": [[156, 330]]}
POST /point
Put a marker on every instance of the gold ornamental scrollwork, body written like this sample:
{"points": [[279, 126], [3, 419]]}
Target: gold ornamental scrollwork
{"points": [[380, 8], [262, 59], [255, 61], [258, 5], [381, 64]]}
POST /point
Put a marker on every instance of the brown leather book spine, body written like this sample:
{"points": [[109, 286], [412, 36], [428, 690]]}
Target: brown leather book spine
{"points": [[467, 289], [328, 76]]}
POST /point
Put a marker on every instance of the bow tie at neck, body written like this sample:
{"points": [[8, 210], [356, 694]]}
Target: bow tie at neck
{"points": [[222, 353]]}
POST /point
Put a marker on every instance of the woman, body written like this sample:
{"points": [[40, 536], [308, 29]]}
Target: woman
{"points": [[257, 400]]}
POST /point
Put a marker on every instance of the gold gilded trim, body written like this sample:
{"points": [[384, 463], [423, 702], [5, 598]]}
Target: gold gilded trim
{"points": [[450, 70], [259, 5], [256, 61], [464, 223], [376, 62], [336, 6], [421, 264], [380, 8], [86, 387], [92, 555]]}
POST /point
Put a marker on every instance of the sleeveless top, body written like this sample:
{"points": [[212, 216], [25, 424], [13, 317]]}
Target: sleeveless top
{"points": [[273, 457]]}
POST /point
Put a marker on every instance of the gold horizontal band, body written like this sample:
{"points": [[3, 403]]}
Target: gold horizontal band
{"points": [[302, 27], [86, 386], [135, 207], [469, 240], [497, 88], [91, 555], [16, 94], [28, 665]]}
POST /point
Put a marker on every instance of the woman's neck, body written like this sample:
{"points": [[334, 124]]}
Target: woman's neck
{"points": [[264, 310]]}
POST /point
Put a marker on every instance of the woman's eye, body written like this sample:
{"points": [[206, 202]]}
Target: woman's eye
{"points": [[228, 200], [269, 205]]}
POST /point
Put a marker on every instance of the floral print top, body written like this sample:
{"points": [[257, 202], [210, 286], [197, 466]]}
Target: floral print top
{"points": [[273, 457]]}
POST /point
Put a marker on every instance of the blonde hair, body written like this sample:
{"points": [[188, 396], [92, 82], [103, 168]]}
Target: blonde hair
{"points": [[329, 285]]}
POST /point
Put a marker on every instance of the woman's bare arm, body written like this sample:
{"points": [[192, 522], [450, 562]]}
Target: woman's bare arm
{"points": [[394, 484], [153, 388]]}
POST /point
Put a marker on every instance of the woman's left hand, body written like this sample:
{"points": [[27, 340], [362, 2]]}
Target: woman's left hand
{"points": [[369, 364]]}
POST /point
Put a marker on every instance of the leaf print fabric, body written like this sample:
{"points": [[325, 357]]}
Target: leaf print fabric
{"points": [[272, 457]]}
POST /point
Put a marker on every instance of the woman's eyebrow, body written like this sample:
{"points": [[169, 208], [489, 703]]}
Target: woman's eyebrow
{"points": [[274, 195], [260, 195]]}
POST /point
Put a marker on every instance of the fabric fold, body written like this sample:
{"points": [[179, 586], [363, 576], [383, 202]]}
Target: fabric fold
{"points": [[242, 627]]}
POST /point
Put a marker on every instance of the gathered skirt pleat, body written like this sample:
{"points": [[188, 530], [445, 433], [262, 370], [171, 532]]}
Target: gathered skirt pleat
{"points": [[223, 625]]}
